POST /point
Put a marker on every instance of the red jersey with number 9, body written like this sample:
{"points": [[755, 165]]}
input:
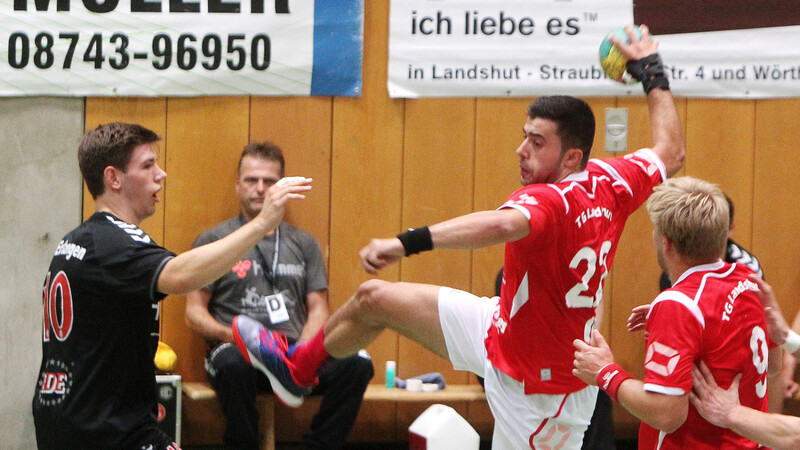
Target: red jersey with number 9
{"points": [[709, 315], [553, 278]]}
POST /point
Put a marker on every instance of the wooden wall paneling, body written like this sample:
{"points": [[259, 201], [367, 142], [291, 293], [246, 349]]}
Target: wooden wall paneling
{"points": [[366, 193], [776, 217], [635, 270], [148, 112], [498, 133], [437, 185], [302, 127], [481, 419], [206, 136], [720, 149]]}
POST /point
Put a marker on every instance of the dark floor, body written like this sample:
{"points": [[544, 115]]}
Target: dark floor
{"points": [[355, 446], [621, 445]]}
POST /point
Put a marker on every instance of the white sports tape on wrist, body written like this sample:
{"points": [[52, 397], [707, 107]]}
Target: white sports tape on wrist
{"points": [[792, 343]]}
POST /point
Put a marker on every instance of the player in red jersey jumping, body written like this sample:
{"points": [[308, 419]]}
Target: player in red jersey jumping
{"points": [[561, 231]]}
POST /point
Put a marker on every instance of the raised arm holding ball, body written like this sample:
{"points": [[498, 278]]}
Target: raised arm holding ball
{"points": [[558, 250]]}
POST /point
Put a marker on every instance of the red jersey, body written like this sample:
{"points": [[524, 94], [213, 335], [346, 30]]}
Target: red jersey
{"points": [[553, 278], [709, 315]]}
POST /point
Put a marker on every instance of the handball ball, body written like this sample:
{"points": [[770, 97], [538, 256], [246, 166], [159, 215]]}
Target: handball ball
{"points": [[611, 59]]}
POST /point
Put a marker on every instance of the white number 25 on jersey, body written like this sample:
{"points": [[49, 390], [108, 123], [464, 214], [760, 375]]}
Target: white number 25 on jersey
{"points": [[575, 297]]}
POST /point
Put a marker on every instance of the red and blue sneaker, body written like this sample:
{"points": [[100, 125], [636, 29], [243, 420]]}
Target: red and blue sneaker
{"points": [[266, 351]]}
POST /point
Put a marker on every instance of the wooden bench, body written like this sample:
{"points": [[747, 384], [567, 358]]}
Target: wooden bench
{"points": [[201, 391]]}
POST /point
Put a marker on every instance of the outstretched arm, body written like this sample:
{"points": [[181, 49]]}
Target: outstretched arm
{"points": [[480, 229], [471, 231], [200, 266], [721, 407], [642, 54]]}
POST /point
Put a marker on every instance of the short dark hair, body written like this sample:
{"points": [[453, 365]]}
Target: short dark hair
{"points": [[730, 207], [576, 125], [263, 150], [112, 145]]}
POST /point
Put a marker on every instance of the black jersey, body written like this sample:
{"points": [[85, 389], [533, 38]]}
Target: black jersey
{"points": [[96, 386]]}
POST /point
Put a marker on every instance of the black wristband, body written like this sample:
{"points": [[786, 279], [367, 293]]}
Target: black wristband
{"points": [[416, 240], [650, 71]]}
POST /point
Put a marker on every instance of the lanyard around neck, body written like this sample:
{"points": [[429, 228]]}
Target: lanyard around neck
{"points": [[271, 273]]}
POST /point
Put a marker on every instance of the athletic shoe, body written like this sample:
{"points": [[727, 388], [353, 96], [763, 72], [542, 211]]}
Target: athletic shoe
{"points": [[266, 351]]}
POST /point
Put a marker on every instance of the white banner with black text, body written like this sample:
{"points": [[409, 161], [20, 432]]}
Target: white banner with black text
{"points": [[495, 48], [180, 47]]}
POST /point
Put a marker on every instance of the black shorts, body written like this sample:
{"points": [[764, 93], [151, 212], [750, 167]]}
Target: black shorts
{"points": [[150, 438], [154, 439]]}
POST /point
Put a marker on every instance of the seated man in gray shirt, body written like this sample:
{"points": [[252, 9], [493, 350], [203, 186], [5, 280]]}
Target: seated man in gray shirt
{"points": [[281, 282]]}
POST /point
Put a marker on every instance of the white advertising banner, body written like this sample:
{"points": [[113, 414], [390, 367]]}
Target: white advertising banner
{"points": [[750, 63], [180, 47], [501, 47], [493, 48]]}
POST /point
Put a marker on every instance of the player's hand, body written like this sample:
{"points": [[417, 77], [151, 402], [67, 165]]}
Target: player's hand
{"points": [[638, 48], [711, 401], [776, 324], [381, 252], [791, 389], [589, 359], [638, 318], [291, 188]]}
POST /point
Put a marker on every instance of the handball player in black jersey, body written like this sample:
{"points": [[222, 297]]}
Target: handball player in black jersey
{"points": [[96, 387]]}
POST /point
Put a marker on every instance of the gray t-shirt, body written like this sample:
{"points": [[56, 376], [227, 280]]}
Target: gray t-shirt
{"points": [[276, 298]]}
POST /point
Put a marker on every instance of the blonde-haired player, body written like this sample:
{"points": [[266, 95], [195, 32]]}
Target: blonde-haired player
{"points": [[722, 406], [710, 315]]}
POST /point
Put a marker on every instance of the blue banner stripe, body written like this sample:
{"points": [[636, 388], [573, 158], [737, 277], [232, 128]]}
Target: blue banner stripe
{"points": [[338, 47]]}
